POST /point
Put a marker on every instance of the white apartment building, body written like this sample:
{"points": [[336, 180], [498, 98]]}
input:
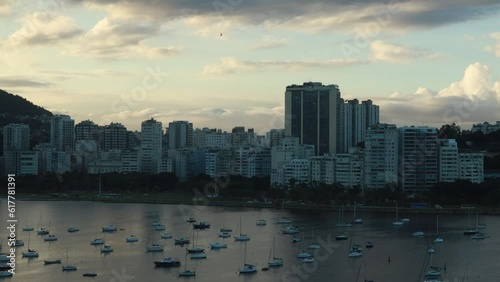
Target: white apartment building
{"points": [[349, 170], [448, 160], [472, 166], [381, 155], [297, 171]]}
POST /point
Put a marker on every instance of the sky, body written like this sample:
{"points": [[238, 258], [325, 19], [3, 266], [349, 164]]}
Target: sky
{"points": [[226, 63]]}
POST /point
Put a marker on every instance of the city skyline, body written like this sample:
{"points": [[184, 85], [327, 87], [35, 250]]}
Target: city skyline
{"points": [[227, 65]]}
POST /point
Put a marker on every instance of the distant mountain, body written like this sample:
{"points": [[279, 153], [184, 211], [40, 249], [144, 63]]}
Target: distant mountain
{"points": [[15, 105]]}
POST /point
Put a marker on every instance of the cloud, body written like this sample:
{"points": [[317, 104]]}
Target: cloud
{"points": [[119, 39], [269, 111], [474, 98], [6, 7], [322, 15], [231, 65], [43, 29], [268, 42], [395, 53], [16, 82], [494, 49], [211, 112]]}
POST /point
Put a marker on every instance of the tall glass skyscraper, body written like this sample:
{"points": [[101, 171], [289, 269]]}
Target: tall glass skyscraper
{"points": [[311, 114]]}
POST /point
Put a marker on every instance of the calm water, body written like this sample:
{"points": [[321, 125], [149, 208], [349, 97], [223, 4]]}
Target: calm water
{"points": [[466, 259]]}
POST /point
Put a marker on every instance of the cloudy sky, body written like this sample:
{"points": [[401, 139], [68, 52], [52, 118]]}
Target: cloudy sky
{"points": [[225, 63]]}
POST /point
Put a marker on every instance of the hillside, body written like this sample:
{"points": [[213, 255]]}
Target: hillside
{"points": [[16, 109], [11, 104]]}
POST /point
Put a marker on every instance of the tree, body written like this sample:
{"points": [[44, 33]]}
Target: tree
{"points": [[449, 131]]}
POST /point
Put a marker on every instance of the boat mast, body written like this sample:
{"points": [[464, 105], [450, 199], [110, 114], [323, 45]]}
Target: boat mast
{"points": [[437, 225]]}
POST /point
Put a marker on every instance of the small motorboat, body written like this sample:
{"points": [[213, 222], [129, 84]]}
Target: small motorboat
{"points": [[369, 244], [90, 274], [52, 261]]}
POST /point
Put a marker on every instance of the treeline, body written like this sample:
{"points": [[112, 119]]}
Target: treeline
{"points": [[258, 188], [468, 140]]}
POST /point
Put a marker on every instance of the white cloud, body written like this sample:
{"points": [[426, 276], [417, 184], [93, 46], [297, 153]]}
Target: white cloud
{"points": [[6, 7], [474, 98], [269, 42], [211, 112], [270, 111], [396, 53], [494, 49], [43, 29], [119, 39], [231, 65]]}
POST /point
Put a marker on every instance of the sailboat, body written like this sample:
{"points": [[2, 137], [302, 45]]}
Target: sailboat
{"points": [[247, 268], [354, 250], [398, 222], [479, 225], [275, 261], [153, 248], [313, 245], [186, 271], [30, 253], [106, 249], [438, 239], [341, 219], [132, 238], [42, 230], [68, 267], [242, 237], [224, 228], [470, 230], [418, 233], [284, 220], [432, 271], [261, 222], [195, 249], [97, 241], [28, 227], [303, 254], [356, 220]]}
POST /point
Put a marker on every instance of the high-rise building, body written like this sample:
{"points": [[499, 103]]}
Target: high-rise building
{"points": [[115, 136], [381, 155], [16, 137], [86, 130], [372, 113], [275, 136], [151, 146], [180, 135], [354, 119], [418, 158], [448, 160], [240, 137], [311, 115], [62, 132]]}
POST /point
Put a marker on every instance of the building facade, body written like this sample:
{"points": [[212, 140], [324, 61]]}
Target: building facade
{"points": [[151, 146], [418, 158], [381, 155], [62, 132], [311, 115]]}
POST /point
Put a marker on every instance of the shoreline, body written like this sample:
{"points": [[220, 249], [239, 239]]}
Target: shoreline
{"points": [[160, 199]]}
